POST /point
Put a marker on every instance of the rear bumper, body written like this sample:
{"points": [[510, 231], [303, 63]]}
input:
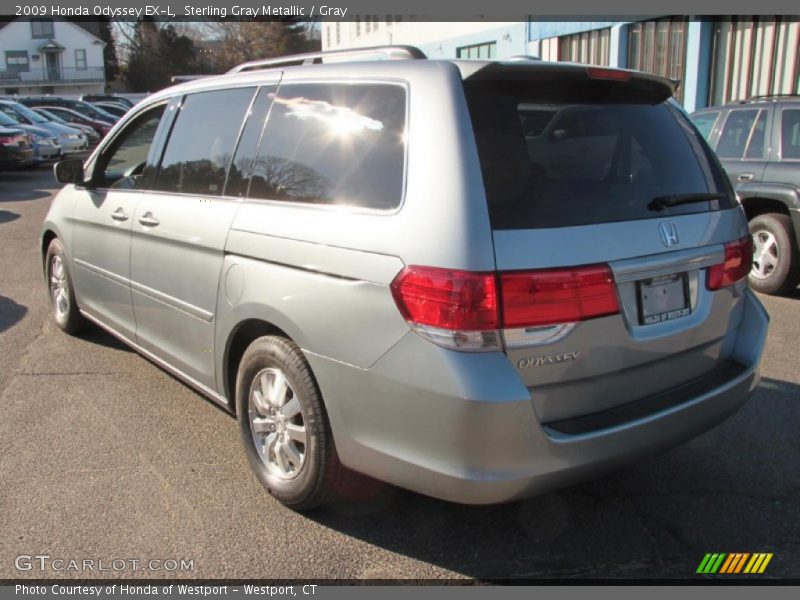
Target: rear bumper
{"points": [[462, 426]]}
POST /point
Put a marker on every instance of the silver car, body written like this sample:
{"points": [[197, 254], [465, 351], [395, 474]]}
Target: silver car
{"points": [[407, 269], [70, 139]]}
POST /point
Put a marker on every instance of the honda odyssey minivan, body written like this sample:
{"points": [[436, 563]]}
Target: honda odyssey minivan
{"points": [[476, 280]]}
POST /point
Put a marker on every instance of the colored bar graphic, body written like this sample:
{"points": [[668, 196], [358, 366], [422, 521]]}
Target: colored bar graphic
{"points": [[741, 562], [703, 564], [726, 566], [765, 563], [733, 563], [718, 564]]}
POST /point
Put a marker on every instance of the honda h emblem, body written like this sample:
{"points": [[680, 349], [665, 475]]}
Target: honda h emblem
{"points": [[669, 234]]}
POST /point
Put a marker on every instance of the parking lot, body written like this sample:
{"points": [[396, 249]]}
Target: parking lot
{"points": [[105, 456]]}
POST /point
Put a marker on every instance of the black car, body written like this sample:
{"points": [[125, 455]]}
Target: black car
{"points": [[758, 143], [79, 106], [16, 150]]}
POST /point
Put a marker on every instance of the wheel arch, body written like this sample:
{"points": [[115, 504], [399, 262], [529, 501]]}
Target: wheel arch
{"points": [[244, 333]]}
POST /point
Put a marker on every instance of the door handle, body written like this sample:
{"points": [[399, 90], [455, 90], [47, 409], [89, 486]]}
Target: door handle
{"points": [[746, 177], [148, 220], [119, 215]]}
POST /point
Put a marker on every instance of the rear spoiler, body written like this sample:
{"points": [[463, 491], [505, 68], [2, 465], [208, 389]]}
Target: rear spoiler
{"points": [[569, 81]]}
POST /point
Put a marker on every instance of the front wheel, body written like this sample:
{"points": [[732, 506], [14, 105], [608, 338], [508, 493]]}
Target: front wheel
{"points": [[284, 427], [776, 260], [59, 283]]}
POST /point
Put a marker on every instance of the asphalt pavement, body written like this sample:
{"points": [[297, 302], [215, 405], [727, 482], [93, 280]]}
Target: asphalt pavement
{"points": [[104, 456]]}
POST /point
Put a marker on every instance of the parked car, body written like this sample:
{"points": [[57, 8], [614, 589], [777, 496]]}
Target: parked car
{"points": [[16, 151], [362, 262], [107, 98], [46, 146], [89, 131], [117, 110], [71, 140], [758, 143], [84, 108], [75, 118]]}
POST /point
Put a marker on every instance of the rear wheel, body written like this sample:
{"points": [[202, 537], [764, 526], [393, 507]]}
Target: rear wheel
{"points": [[62, 298], [776, 260], [284, 427]]}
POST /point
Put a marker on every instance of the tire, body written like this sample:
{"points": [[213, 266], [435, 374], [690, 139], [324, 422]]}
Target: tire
{"points": [[776, 259], [61, 293], [292, 452]]}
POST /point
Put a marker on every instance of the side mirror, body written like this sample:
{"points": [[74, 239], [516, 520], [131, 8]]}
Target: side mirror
{"points": [[69, 171]]}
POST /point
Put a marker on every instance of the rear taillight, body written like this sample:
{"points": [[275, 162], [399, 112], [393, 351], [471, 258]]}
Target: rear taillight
{"points": [[12, 139], [448, 299], [553, 296], [465, 310], [737, 264]]}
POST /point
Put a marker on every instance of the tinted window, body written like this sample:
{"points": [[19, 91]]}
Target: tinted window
{"points": [[333, 144], [705, 122], [592, 163], [122, 165], [11, 113], [790, 134], [201, 144], [755, 147], [735, 133], [244, 159]]}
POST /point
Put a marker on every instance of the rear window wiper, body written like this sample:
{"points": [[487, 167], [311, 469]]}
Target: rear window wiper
{"points": [[662, 202]]}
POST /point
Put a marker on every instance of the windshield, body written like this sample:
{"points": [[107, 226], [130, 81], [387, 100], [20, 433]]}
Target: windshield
{"points": [[7, 121], [29, 114], [571, 159], [91, 111], [51, 116]]}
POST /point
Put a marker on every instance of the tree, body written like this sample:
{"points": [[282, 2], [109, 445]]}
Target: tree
{"points": [[156, 53], [241, 41], [110, 61]]}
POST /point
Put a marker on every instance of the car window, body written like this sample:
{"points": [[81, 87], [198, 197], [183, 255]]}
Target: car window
{"points": [[121, 167], [790, 133], [755, 146], [333, 144], [244, 158], [11, 113], [736, 133], [202, 141], [705, 122], [593, 162]]}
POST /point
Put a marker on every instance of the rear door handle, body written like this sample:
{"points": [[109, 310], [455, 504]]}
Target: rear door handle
{"points": [[746, 177], [148, 220], [119, 215]]}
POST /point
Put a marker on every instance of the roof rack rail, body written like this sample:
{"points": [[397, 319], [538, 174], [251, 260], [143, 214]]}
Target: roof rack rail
{"points": [[185, 78], [767, 97], [310, 58]]}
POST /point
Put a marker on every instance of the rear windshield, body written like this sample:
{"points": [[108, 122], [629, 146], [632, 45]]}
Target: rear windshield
{"points": [[558, 161]]}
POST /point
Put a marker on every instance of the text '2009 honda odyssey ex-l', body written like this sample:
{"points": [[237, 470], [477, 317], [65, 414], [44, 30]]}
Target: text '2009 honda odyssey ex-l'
{"points": [[477, 280]]}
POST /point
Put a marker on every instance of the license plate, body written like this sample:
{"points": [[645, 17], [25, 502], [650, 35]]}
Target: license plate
{"points": [[663, 299]]}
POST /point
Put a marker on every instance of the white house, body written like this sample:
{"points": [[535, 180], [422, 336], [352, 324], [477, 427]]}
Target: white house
{"points": [[50, 56]]}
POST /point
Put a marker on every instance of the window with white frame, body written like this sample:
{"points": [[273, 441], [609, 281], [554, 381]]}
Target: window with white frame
{"points": [[485, 50], [80, 59], [42, 28], [17, 60]]}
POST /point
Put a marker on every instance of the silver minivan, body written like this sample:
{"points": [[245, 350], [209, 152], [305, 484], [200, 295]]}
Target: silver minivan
{"points": [[476, 280]]}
